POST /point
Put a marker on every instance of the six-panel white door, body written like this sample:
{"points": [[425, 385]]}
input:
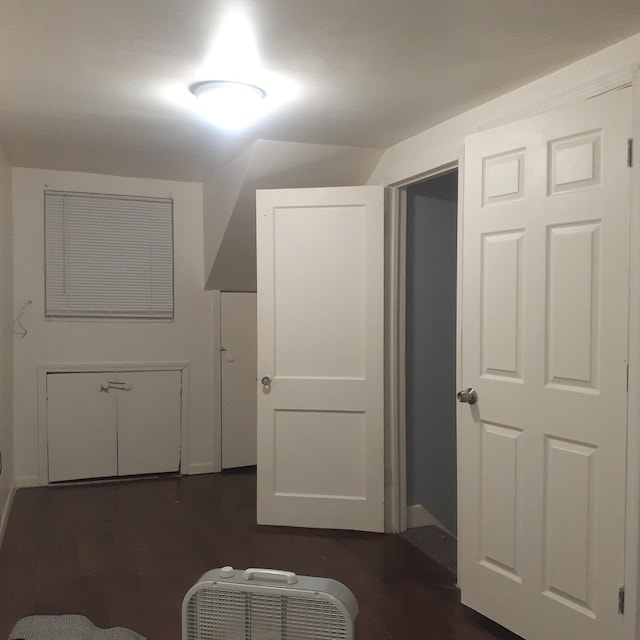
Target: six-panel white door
{"points": [[544, 342], [320, 344]]}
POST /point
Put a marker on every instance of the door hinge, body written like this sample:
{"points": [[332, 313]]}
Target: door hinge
{"points": [[630, 152], [621, 600]]}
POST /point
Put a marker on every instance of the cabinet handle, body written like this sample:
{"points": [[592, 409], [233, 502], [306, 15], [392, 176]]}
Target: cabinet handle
{"points": [[118, 386]]}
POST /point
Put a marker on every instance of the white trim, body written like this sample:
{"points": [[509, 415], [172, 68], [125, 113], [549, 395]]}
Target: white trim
{"points": [[4, 518], [616, 79], [26, 482], [401, 319], [461, 170], [418, 516], [68, 367], [396, 514], [395, 450], [84, 367], [201, 467], [632, 555], [452, 165]]}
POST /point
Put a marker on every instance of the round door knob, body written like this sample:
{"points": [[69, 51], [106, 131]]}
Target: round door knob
{"points": [[469, 396], [266, 383]]}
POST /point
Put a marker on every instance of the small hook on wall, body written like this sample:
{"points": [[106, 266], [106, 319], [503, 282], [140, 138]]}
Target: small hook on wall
{"points": [[18, 328]]}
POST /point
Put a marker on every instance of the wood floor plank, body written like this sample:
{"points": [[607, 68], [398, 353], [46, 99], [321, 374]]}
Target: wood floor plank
{"points": [[125, 553]]}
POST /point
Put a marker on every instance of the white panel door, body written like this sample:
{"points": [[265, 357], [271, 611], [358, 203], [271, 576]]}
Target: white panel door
{"points": [[544, 342], [238, 337], [320, 342], [149, 421], [81, 426]]}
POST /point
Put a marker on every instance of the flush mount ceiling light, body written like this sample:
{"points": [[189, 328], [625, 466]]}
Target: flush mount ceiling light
{"points": [[229, 104]]}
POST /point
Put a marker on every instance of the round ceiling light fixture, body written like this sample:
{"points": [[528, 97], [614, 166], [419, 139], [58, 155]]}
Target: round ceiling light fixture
{"points": [[229, 104]]}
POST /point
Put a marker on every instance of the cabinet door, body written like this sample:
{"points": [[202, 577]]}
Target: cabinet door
{"points": [[238, 336], [148, 420], [81, 426]]}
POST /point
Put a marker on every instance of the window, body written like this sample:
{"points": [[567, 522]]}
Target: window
{"points": [[108, 256]]}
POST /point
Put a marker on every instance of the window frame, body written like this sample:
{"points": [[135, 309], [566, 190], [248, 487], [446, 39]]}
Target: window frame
{"points": [[108, 261]]}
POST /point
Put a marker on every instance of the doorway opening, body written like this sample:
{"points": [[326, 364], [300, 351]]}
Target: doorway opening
{"points": [[430, 292]]}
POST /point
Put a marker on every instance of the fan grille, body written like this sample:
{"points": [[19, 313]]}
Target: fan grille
{"points": [[215, 614]]}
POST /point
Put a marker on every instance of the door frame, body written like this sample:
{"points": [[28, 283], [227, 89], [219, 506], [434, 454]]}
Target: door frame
{"points": [[396, 443], [222, 351], [395, 456], [632, 553]]}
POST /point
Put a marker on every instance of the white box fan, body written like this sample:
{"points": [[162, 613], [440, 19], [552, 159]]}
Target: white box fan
{"points": [[267, 604]]}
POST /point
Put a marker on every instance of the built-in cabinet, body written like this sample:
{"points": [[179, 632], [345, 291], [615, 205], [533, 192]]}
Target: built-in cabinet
{"points": [[112, 423]]}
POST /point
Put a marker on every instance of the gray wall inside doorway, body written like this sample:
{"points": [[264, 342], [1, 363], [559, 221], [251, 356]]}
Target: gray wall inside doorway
{"points": [[431, 346]]}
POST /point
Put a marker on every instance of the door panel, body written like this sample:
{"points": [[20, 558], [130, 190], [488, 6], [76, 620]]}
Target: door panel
{"points": [[544, 342], [573, 287], [570, 521], [81, 426], [316, 295], [501, 322], [501, 495], [320, 341], [149, 422], [238, 318]]}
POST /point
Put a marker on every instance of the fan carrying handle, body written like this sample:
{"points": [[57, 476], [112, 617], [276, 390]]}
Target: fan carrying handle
{"points": [[288, 577]]}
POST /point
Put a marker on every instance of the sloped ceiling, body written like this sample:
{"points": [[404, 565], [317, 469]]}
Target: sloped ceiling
{"points": [[230, 229], [102, 85]]}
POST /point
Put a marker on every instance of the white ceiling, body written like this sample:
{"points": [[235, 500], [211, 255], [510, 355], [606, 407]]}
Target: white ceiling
{"points": [[101, 85]]}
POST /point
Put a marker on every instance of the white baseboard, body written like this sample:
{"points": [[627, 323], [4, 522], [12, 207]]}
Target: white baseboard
{"points": [[23, 482], [4, 518], [201, 467], [418, 516]]}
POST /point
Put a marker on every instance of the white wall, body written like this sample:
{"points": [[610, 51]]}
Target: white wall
{"points": [[442, 144], [220, 195], [188, 338], [6, 342]]}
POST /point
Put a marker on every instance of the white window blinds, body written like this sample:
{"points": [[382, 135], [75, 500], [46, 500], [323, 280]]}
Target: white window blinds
{"points": [[108, 256]]}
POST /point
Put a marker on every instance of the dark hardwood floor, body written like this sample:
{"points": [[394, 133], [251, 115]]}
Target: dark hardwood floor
{"points": [[125, 553]]}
